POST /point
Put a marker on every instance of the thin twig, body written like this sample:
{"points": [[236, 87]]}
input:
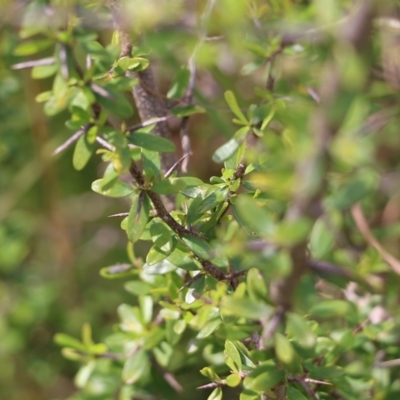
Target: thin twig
{"points": [[168, 376], [174, 167], [71, 140], [388, 364], [363, 227], [34, 63], [149, 122], [159, 205], [270, 327], [307, 388], [212, 385], [124, 214], [104, 143], [190, 281]]}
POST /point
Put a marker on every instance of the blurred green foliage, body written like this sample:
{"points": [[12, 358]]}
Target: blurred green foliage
{"points": [[189, 299]]}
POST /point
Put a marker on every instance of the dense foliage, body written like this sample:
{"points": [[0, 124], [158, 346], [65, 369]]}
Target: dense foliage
{"points": [[257, 188]]}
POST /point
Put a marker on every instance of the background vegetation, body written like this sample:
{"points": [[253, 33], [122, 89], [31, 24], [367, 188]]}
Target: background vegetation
{"points": [[297, 238]]}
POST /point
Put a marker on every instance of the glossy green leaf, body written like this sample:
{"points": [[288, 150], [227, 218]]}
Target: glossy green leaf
{"points": [[226, 151], [84, 373], [233, 380], [234, 106], [231, 352], [138, 217], [131, 320], [136, 367], [82, 153], [216, 394], [155, 255], [160, 268], [115, 188], [151, 142], [209, 328], [199, 246], [210, 374]]}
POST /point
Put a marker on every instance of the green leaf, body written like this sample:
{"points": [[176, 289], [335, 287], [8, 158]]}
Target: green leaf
{"points": [[233, 380], [256, 285], [113, 101], [210, 374], [96, 50], [160, 268], [199, 246], [155, 255], [44, 71], [130, 64], [216, 394], [231, 352], [179, 84], [253, 216], [84, 373], [209, 328], [113, 189], [284, 350], [162, 237], [151, 164], [32, 47], [130, 319], [333, 308], [68, 341], [151, 142], [232, 103], [263, 378], [247, 394], [169, 186], [299, 330], [245, 308], [44, 96], [321, 239], [183, 259], [136, 367], [294, 394], [226, 151], [138, 217], [187, 110], [82, 153], [138, 288]]}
